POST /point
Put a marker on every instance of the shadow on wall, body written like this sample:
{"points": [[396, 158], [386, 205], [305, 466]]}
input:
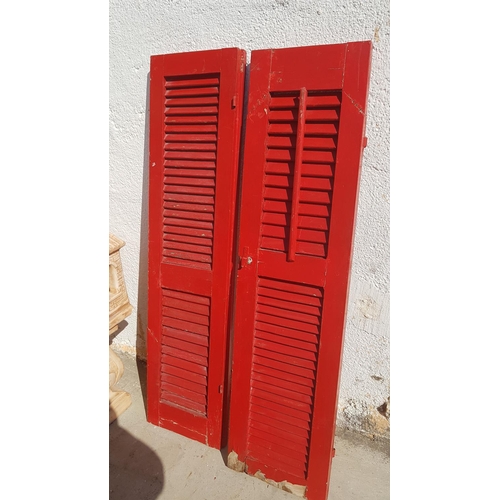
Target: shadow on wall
{"points": [[142, 292], [135, 470]]}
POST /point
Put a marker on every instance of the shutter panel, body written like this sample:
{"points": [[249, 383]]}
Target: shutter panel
{"points": [[303, 149], [195, 122]]}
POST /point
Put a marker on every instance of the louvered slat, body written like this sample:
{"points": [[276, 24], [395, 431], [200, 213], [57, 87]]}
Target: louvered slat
{"points": [[190, 154], [283, 373], [318, 166], [184, 360]]}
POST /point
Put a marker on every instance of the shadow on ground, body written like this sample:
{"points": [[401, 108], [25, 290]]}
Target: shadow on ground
{"points": [[135, 470]]}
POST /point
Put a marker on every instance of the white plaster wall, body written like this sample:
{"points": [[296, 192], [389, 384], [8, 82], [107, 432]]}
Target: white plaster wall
{"points": [[140, 28]]}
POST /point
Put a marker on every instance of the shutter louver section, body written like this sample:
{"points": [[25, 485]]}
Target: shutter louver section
{"points": [[317, 173], [191, 116], [284, 373], [184, 360]]}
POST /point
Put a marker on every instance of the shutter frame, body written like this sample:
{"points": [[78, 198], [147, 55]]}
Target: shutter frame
{"points": [[343, 69], [190, 261]]}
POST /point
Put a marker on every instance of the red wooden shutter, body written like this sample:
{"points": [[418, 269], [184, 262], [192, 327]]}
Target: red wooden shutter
{"points": [[195, 123], [303, 149]]}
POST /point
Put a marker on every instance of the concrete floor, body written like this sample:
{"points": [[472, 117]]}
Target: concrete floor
{"points": [[147, 462]]}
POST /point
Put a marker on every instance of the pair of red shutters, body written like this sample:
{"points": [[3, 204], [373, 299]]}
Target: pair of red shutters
{"points": [[247, 332]]}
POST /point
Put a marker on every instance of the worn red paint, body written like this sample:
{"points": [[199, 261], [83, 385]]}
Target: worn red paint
{"points": [[303, 150], [195, 122]]}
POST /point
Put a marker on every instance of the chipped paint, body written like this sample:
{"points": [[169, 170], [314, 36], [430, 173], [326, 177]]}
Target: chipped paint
{"points": [[368, 307], [295, 489], [355, 104], [235, 464], [369, 419]]}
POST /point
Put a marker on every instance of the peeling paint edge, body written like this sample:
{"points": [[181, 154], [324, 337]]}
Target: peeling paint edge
{"points": [[235, 464], [239, 466], [296, 489]]}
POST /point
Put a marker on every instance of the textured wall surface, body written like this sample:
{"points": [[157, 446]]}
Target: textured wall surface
{"points": [[141, 28]]}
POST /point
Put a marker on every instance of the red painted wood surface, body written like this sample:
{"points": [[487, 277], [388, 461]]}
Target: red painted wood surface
{"points": [[303, 150], [195, 124]]}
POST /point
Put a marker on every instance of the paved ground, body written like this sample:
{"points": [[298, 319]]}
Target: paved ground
{"points": [[147, 462]]}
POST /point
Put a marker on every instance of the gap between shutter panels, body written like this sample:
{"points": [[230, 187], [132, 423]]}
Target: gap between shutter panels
{"points": [[184, 349], [283, 374], [318, 169], [190, 153]]}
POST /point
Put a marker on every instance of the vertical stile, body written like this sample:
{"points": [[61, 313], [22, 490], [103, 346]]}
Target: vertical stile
{"points": [[297, 171]]}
